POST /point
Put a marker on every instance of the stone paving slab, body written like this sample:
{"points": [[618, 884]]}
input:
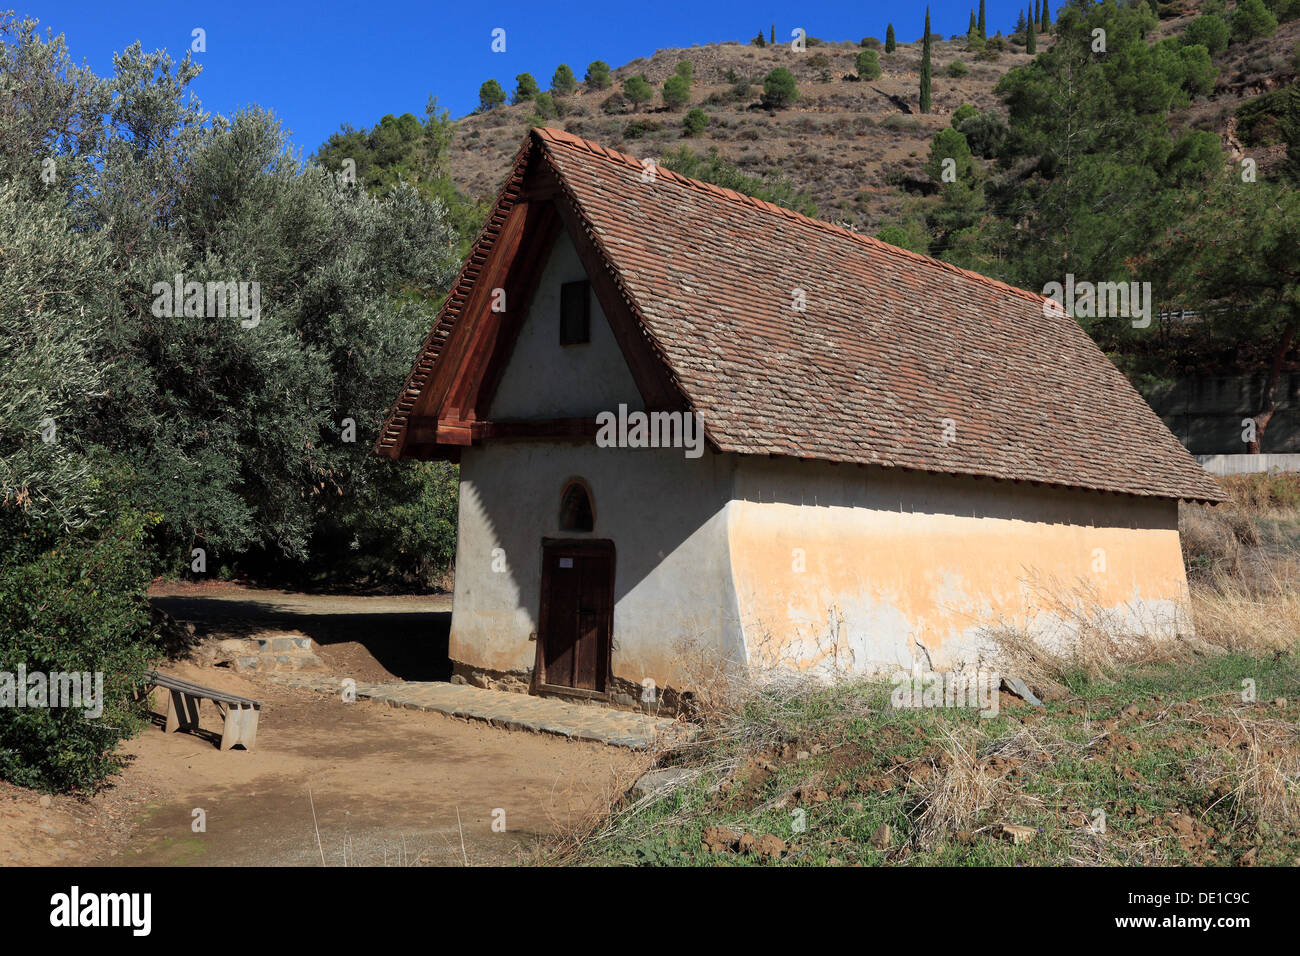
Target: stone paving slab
{"points": [[546, 715]]}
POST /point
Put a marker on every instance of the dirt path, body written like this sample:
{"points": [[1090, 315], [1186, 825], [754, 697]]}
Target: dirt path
{"points": [[386, 784]]}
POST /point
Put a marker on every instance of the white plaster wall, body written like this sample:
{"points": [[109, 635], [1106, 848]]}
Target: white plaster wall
{"points": [[667, 516], [904, 569], [544, 379]]}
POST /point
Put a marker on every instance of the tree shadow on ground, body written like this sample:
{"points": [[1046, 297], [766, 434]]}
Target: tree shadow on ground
{"points": [[410, 645]]}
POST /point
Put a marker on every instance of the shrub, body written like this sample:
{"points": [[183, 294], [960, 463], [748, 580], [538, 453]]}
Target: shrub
{"points": [[637, 90], [638, 128], [868, 65], [598, 76], [911, 237], [614, 104], [779, 89], [957, 69], [695, 122], [713, 168], [490, 95], [949, 144], [1210, 31], [1252, 19], [984, 133], [544, 106], [1199, 73], [870, 43], [563, 81], [963, 113], [525, 87], [676, 92], [73, 602]]}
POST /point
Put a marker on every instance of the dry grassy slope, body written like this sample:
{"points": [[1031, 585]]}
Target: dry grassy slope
{"points": [[836, 142], [841, 139]]}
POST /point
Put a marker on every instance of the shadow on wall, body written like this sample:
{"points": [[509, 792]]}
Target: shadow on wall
{"points": [[894, 491], [659, 513]]}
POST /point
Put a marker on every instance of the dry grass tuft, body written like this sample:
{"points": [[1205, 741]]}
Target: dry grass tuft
{"points": [[960, 792], [1258, 771]]}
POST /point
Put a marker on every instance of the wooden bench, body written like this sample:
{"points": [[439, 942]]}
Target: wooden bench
{"points": [[183, 698]]}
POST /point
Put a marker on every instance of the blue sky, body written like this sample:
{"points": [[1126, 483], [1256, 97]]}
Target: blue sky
{"points": [[324, 63]]}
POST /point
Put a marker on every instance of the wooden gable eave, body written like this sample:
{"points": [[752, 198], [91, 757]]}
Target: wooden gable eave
{"points": [[449, 408], [393, 434], [468, 348]]}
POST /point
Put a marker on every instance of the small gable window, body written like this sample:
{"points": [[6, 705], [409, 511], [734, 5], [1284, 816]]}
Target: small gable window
{"points": [[575, 507], [575, 313]]}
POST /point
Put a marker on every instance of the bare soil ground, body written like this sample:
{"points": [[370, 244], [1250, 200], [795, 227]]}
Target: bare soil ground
{"points": [[379, 785]]}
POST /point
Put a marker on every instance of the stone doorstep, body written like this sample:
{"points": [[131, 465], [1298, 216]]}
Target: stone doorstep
{"points": [[510, 711]]}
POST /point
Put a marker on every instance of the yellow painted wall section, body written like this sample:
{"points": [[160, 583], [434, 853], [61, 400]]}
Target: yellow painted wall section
{"points": [[848, 570]]}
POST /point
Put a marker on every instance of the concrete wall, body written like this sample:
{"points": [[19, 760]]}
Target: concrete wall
{"points": [[1248, 464], [901, 568], [667, 516]]}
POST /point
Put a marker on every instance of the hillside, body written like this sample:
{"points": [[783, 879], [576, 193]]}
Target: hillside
{"points": [[841, 142], [856, 148]]}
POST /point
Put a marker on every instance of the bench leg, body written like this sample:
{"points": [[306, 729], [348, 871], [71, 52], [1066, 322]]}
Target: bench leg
{"points": [[182, 711], [240, 727]]}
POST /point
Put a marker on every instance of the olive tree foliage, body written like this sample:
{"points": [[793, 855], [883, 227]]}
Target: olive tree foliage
{"points": [[250, 439], [51, 274], [134, 429]]}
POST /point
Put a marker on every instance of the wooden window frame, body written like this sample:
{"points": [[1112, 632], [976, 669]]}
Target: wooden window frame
{"points": [[568, 335]]}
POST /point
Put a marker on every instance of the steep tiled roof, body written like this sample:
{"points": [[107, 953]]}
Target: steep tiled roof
{"points": [[889, 348]]}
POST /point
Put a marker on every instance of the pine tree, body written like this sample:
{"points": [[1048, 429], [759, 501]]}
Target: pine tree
{"points": [[984, 34], [925, 65], [890, 44], [1021, 26], [1031, 39]]}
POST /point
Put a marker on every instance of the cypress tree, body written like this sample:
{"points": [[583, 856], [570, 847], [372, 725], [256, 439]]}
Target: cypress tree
{"points": [[1047, 18], [773, 34], [984, 34], [890, 45], [1031, 39], [925, 65], [971, 29]]}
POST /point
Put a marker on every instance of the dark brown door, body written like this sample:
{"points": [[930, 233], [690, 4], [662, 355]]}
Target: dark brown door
{"points": [[577, 614]]}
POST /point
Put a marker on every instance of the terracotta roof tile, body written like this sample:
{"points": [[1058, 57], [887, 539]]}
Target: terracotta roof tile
{"points": [[890, 345]]}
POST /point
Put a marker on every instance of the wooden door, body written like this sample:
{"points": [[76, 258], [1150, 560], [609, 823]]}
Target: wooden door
{"points": [[577, 615]]}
